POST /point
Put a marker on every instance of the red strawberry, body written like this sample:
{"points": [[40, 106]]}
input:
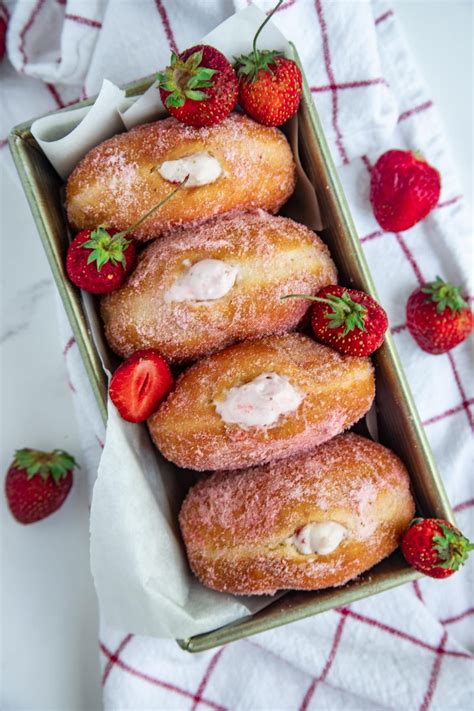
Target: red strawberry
{"points": [[435, 547], [140, 384], [438, 318], [199, 87], [99, 260], [269, 84], [37, 483], [404, 188], [348, 320]]}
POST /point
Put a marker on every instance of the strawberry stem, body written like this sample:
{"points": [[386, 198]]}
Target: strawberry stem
{"points": [[344, 311], [150, 212], [343, 306], [267, 19]]}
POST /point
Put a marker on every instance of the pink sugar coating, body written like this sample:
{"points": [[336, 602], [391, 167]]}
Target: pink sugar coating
{"points": [[112, 167], [232, 447], [246, 506], [242, 313]]}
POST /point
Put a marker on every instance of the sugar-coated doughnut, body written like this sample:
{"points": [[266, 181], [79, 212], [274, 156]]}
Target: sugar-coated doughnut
{"points": [[201, 288], [310, 522], [260, 401], [237, 164]]}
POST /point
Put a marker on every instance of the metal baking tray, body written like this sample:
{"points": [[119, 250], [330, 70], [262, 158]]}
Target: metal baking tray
{"points": [[398, 423]]}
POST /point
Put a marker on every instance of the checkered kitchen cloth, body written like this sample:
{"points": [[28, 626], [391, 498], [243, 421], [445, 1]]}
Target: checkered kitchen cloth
{"points": [[407, 648]]}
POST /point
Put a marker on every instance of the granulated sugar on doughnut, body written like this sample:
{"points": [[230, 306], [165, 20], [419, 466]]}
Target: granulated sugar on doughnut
{"points": [[259, 401], [310, 522], [235, 165], [200, 289]]}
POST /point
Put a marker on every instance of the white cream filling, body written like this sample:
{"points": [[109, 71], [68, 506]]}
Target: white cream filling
{"points": [[207, 280], [260, 402], [202, 169], [321, 538]]}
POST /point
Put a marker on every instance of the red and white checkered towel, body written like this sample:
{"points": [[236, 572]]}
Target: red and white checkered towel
{"points": [[407, 648]]}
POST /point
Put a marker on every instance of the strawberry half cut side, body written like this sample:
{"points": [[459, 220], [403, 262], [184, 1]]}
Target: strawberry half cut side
{"points": [[140, 384]]}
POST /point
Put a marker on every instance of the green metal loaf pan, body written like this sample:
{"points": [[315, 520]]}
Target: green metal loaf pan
{"points": [[398, 422]]}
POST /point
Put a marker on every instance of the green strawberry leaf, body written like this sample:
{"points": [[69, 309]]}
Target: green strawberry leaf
{"points": [[56, 463], [195, 95], [175, 100]]}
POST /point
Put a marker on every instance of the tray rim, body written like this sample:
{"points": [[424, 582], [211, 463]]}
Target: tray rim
{"points": [[76, 316]]}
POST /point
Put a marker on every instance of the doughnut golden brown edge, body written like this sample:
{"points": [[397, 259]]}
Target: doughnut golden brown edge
{"points": [[274, 256], [236, 525], [338, 390], [117, 182]]}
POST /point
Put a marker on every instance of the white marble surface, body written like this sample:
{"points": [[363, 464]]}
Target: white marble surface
{"points": [[49, 614]]}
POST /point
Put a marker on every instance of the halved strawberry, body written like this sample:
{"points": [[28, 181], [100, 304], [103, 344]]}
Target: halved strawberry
{"points": [[139, 385]]}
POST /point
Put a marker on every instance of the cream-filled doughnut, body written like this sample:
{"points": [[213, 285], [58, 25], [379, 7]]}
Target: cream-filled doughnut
{"points": [[260, 401], [200, 289], [309, 522], [235, 165]]}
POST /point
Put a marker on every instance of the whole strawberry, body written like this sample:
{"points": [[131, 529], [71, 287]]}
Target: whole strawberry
{"points": [[348, 320], [37, 483], [404, 188], [199, 87], [438, 318], [435, 547], [99, 260], [269, 84]]}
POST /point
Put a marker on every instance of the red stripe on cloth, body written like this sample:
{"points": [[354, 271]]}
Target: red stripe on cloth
{"points": [[411, 259], [399, 329], [206, 677], [448, 413], [83, 20], [157, 682], [463, 506], [367, 163], [55, 94], [329, 662], [348, 85], [458, 618], [101, 444], [5, 10], [417, 589], [285, 6], [434, 674], [451, 201], [3, 142], [69, 345], [166, 24], [401, 635], [71, 387], [114, 657], [383, 17], [416, 110], [372, 235], [332, 80], [29, 24], [461, 390]]}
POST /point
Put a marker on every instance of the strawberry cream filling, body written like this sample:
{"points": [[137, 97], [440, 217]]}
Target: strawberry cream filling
{"points": [[207, 280], [321, 538], [259, 403], [202, 169]]}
